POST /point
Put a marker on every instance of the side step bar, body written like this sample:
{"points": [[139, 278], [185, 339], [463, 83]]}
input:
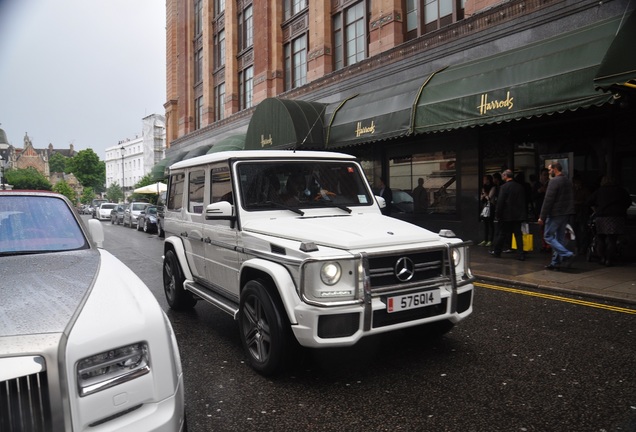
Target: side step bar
{"points": [[226, 305]]}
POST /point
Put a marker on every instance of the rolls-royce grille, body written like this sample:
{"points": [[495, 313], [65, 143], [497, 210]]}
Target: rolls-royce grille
{"points": [[24, 404], [385, 270]]}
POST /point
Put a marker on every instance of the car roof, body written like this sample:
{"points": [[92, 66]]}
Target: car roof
{"points": [[260, 154]]}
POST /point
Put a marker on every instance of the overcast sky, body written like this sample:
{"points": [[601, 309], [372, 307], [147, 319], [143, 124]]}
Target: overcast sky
{"points": [[80, 71]]}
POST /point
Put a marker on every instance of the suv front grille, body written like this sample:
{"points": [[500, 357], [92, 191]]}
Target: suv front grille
{"points": [[25, 404], [427, 266]]}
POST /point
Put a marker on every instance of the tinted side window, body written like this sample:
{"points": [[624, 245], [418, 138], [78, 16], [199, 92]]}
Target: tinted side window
{"points": [[196, 188], [175, 192], [221, 184]]}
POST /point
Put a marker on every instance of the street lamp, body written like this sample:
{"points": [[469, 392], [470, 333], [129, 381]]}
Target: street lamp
{"points": [[123, 177]]}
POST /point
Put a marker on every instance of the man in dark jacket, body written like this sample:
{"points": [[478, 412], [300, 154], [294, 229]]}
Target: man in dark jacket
{"points": [[557, 207], [510, 212]]}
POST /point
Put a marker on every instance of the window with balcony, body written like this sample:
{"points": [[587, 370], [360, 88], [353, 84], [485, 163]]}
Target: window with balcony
{"points": [[296, 63], [350, 35]]}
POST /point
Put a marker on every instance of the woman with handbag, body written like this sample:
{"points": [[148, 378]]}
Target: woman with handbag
{"points": [[487, 212]]}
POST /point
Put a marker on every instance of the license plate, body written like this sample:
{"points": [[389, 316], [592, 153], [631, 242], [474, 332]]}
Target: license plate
{"points": [[413, 301]]}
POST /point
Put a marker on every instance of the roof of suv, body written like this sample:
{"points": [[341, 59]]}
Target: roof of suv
{"points": [[260, 154]]}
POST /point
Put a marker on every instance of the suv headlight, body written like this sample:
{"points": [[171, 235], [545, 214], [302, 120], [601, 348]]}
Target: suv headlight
{"points": [[111, 368], [327, 283], [330, 273]]}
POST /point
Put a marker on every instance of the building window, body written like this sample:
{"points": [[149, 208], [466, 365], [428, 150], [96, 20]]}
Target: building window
{"points": [[246, 83], [219, 101], [198, 17], [296, 63], [219, 49], [198, 66], [350, 35], [423, 16], [292, 7], [198, 112], [219, 7], [245, 29]]}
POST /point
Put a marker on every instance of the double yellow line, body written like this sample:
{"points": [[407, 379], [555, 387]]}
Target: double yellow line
{"points": [[557, 298]]}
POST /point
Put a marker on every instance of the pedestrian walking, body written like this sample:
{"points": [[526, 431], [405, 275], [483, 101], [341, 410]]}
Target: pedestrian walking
{"points": [[511, 212], [558, 206], [538, 194], [610, 203]]}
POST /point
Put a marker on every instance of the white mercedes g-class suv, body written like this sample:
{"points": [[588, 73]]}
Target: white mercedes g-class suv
{"points": [[293, 245]]}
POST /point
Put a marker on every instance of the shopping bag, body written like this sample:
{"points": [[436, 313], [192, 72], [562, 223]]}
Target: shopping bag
{"points": [[527, 242], [485, 212]]}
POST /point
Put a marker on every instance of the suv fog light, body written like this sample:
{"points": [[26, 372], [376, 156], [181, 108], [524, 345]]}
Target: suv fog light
{"points": [[330, 273]]}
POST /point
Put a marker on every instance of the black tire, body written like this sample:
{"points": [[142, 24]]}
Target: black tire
{"points": [[264, 329], [178, 298]]}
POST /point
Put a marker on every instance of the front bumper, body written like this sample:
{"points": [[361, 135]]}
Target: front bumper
{"points": [[346, 325]]}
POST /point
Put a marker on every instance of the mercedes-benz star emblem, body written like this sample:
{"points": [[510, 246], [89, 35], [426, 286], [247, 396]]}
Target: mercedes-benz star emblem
{"points": [[404, 269]]}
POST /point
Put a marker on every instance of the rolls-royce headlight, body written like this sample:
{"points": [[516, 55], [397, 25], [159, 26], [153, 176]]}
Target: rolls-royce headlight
{"points": [[330, 273], [110, 368]]}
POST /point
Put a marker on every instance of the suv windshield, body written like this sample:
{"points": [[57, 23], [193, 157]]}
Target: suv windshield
{"points": [[38, 224], [301, 184]]}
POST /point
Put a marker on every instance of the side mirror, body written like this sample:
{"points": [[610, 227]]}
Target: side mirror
{"points": [[381, 201], [221, 210], [96, 231]]}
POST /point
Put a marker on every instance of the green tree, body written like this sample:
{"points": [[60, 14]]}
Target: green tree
{"points": [[88, 194], [63, 188], [114, 193], [57, 163], [27, 178], [89, 170]]}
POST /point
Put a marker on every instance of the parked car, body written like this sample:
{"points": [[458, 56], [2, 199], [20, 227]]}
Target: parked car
{"points": [[147, 219], [132, 213], [84, 344], [294, 246], [402, 201], [95, 206], [103, 212], [117, 214], [160, 216]]}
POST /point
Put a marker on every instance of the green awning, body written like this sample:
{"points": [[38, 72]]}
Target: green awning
{"points": [[550, 76], [233, 142], [284, 123], [201, 150], [160, 170], [375, 116], [618, 68]]}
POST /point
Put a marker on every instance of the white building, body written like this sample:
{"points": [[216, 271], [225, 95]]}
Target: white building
{"points": [[131, 159]]}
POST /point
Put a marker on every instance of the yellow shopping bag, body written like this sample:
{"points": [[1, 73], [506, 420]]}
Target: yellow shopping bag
{"points": [[527, 242]]}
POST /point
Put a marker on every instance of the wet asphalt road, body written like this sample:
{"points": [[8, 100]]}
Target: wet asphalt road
{"points": [[519, 363]]}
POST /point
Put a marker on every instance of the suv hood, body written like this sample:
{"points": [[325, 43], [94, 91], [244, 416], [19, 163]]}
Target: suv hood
{"points": [[362, 231], [46, 300]]}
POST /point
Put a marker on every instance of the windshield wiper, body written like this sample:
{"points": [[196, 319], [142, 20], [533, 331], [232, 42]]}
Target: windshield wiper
{"points": [[278, 205]]}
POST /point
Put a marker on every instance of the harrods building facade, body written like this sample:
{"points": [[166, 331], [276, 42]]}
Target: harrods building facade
{"points": [[445, 90]]}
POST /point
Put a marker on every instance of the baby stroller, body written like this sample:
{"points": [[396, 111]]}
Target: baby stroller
{"points": [[591, 249]]}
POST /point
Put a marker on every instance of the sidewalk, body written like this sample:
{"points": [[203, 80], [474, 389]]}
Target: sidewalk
{"points": [[588, 279]]}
